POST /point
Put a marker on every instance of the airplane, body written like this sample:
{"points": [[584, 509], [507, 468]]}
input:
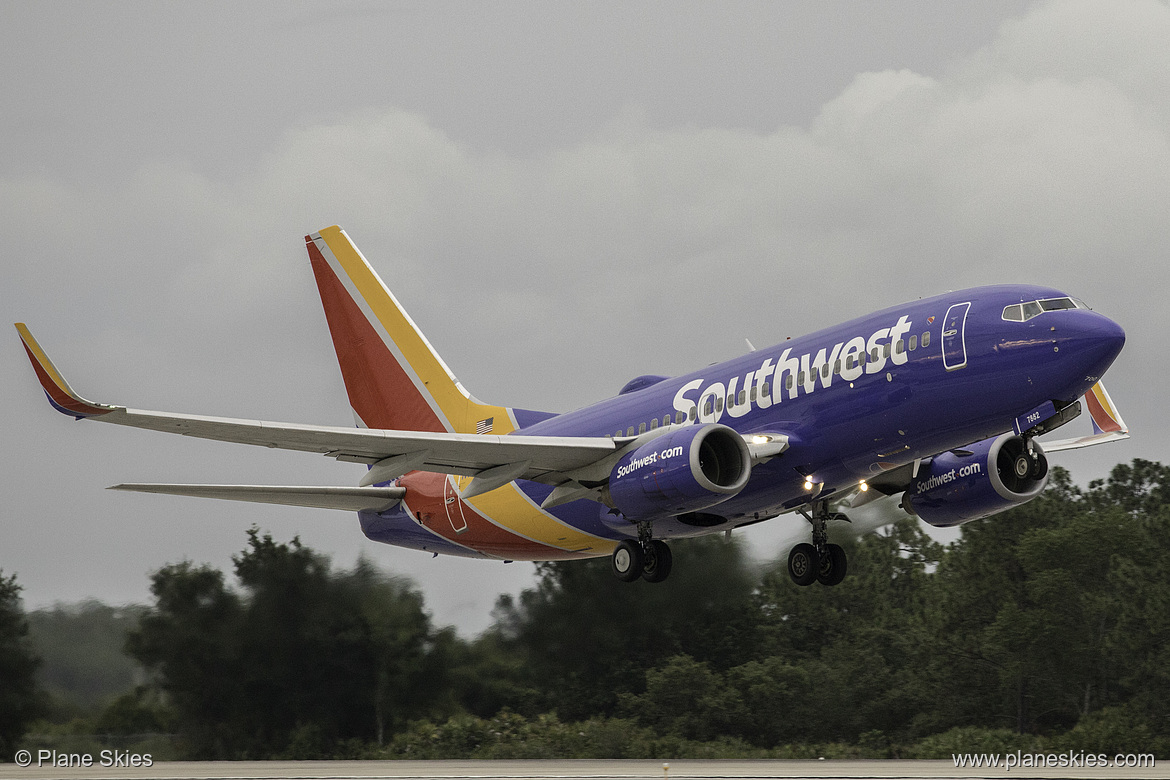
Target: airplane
{"points": [[935, 404]]}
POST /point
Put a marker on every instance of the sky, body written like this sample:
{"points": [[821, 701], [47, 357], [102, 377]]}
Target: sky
{"points": [[563, 196]]}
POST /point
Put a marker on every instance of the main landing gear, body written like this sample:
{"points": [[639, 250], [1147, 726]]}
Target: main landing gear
{"points": [[647, 558], [820, 561]]}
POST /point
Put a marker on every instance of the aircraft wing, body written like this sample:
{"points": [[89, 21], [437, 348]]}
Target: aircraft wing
{"points": [[391, 453]]}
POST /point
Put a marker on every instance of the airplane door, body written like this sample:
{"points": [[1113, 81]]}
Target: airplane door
{"points": [[953, 339], [454, 506]]}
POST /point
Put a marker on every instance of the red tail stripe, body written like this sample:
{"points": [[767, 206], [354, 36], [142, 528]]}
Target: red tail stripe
{"points": [[379, 390]]}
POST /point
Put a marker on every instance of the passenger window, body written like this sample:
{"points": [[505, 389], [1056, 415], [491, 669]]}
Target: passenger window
{"points": [[926, 339], [641, 427], [800, 377], [874, 355], [666, 419], [618, 435], [886, 351], [766, 389], [788, 382], [718, 404], [709, 406], [742, 397], [693, 413], [753, 394], [914, 342], [679, 416], [899, 346], [654, 424], [630, 431], [825, 371]]}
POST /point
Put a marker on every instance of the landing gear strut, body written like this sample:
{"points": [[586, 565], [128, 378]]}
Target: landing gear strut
{"points": [[647, 558], [819, 561]]}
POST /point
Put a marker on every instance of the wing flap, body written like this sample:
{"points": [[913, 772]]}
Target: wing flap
{"points": [[353, 499]]}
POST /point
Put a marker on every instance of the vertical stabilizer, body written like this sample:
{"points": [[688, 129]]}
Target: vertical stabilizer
{"points": [[393, 376]]}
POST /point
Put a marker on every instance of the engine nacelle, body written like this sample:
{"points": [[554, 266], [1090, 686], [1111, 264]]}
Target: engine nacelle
{"points": [[998, 474], [682, 471]]}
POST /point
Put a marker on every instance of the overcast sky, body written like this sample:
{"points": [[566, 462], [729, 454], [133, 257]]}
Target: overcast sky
{"points": [[563, 196]]}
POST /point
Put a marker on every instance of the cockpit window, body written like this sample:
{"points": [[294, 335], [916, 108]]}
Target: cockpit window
{"points": [[1022, 312]]}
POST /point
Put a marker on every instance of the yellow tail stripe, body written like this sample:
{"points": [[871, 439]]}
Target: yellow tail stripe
{"points": [[460, 411], [510, 509]]}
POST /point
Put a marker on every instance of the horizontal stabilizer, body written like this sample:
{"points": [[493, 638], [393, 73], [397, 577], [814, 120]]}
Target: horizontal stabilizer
{"points": [[352, 499]]}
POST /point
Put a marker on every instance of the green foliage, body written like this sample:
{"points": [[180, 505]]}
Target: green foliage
{"points": [[20, 701], [83, 664], [583, 636], [974, 739], [1043, 628], [305, 658]]}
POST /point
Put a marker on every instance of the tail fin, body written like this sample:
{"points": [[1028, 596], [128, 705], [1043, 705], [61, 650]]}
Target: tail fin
{"points": [[392, 374]]}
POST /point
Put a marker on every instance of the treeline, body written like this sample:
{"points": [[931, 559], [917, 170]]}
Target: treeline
{"points": [[1043, 628]]}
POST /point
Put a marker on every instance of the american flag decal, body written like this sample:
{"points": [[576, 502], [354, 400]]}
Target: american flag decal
{"points": [[484, 426]]}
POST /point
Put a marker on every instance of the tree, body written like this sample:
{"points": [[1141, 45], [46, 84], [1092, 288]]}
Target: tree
{"points": [[189, 639], [20, 700], [584, 636], [858, 646], [84, 666], [304, 659]]}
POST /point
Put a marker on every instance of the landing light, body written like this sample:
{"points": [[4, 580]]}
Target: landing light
{"points": [[864, 487], [761, 439], [808, 485]]}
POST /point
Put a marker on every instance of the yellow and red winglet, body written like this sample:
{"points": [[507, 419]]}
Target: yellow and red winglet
{"points": [[60, 394], [1103, 413], [1107, 423]]}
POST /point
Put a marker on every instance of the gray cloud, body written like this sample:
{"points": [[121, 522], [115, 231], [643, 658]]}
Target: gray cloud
{"points": [[645, 228]]}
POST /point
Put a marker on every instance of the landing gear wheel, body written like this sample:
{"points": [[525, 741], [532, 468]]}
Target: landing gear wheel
{"points": [[656, 566], [627, 561], [803, 564], [833, 565]]}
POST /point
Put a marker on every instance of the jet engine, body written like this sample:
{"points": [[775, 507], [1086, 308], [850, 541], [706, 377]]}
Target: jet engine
{"points": [[979, 480], [685, 470]]}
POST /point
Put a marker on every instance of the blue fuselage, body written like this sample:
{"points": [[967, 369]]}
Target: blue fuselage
{"points": [[854, 401], [949, 370]]}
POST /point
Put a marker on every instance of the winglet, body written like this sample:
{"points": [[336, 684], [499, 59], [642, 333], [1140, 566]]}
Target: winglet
{"points": [[1107, 423], [1106, 418], [60, 394]]}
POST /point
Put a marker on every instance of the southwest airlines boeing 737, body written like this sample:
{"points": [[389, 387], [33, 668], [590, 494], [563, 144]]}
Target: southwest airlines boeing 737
{"points": [[938, 402]]}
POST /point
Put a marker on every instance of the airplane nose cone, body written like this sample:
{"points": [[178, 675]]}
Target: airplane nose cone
{"points": [[1098, 340]]}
